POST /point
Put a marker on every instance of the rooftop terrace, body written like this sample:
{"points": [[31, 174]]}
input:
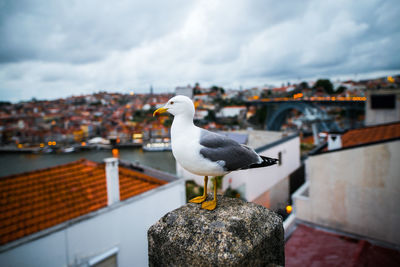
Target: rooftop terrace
{"points": [[34, 201]]}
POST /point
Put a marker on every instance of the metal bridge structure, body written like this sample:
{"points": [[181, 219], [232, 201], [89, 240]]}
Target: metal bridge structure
{"points": [[312, 112]]}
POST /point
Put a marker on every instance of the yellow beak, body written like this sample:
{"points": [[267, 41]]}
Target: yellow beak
{"points": [[159, 111]]}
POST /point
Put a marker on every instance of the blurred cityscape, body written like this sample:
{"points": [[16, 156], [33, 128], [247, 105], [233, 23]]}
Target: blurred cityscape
{"points": [[103, 120]]}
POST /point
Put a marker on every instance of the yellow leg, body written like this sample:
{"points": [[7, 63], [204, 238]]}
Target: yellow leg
{"points": [[202, 198], [210, 205]]}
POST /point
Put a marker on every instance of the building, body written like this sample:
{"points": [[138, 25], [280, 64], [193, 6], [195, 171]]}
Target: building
{"points": [[232, 111], [265, 186], [353, 185], [382, 106], [184, 90], [200, 114], [83, 213], [270, 186]]}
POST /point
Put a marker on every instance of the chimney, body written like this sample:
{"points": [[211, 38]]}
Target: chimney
{"points": [[334, 141], [112, 179]]}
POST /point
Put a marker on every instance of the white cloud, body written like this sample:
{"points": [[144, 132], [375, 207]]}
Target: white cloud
{"points": [[55, 50]]}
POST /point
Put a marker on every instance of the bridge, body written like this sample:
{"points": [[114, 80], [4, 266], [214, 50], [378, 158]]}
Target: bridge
{"points": [[312, 109]]}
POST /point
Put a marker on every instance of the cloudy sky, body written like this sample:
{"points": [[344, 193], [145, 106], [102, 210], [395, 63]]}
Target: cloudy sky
{"points": [[52, 49]]}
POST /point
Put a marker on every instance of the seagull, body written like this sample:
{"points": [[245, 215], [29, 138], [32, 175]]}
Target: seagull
{"points": [[206, 153]]}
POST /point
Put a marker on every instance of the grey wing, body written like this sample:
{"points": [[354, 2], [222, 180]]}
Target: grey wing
{"points": [[226, 152]]}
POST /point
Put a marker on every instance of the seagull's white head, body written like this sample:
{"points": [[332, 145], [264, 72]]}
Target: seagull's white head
{"points": [[178, 105]]}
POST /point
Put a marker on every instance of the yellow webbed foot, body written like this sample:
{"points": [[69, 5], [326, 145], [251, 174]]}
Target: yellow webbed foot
{"points": [[199, 199], [209, 205]]}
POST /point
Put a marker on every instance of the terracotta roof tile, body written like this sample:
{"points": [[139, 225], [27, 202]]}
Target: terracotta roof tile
{"points": [[371, 134], [33, 201]]}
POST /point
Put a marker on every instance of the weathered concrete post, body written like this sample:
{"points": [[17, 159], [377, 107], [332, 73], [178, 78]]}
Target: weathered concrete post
{"points": [[236, 233]]}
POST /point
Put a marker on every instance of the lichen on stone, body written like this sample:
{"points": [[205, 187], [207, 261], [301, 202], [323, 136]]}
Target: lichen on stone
{"points": [[236, 233]]}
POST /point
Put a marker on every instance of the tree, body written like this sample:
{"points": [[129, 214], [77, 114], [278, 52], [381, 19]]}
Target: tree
{"points": [[326, 85], [340, 90], [196, 89], [193, 190], [233, 193], [214, 88], [303, 85], [217, 89], [167, 122], [210, 116], [261, 114], [259, 118]]}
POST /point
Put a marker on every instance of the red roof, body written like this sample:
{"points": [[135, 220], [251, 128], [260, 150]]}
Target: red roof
{"points": [[371, 134], [33, 201], [308, 246]]}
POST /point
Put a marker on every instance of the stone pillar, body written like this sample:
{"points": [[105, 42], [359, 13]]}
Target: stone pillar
{"points": [[236, 233]]}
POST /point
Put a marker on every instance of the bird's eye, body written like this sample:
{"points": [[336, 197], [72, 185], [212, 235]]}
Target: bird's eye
{"points": [[172, 102]]}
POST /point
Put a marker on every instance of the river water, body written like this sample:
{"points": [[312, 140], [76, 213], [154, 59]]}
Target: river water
{"points": [[13, 163]]}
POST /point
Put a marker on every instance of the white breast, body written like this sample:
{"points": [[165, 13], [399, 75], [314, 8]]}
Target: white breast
{"points": [[186, 149]]}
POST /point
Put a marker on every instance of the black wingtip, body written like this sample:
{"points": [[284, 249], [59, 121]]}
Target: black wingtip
{"points": [[265, 163], [269, 161]]}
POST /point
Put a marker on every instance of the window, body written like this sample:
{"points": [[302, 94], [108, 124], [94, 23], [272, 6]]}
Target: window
{"points": [[383, 101], [107, 259], [280, 158]]}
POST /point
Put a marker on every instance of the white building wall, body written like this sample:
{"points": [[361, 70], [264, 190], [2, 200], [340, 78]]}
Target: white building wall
{"points": [[47, 251], [230, 111], [355, 190], [257, 181], [200, 114], [380, 116], [123, 225]]}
